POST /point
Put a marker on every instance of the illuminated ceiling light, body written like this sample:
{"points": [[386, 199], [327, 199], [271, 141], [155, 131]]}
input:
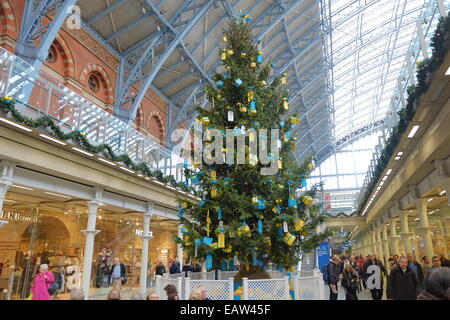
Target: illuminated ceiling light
{"points": [[6, 200], [147, 178], [15, 124], [83, 152], [431, 199], [442, 192], [413, 131], [126, 169], [21, 187], [447, 73], [158, 182], [417, 219], [381, 183], [140, 175], [384, 178], [400, 153], [106, 161], [397, 158], [389, 172], [58, 195], [52, 139]]}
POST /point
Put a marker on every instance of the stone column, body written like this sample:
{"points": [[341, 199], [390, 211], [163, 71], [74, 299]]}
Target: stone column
{"points": [[405, 231], [90, 233], [385, 242], [5, 180], [380, 255], [394, 238], [144, 254], [425, 229], [374, 248]]}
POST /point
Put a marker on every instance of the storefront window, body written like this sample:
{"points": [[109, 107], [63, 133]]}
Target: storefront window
{"points": [[53, 235]]}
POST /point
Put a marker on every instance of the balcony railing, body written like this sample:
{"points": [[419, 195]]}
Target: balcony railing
{"points": [[37, 94]]}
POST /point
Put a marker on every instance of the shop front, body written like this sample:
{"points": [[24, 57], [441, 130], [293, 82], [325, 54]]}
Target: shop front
{"points": [[52, 234]]}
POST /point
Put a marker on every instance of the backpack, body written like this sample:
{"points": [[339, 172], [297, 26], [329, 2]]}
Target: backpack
{"points": [[325, 275]]}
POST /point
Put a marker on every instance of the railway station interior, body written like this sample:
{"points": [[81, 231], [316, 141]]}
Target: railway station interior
{"points": [[369, 80]]}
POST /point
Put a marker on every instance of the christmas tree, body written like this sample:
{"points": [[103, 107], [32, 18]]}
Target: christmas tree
{"points": [[249, 212]]}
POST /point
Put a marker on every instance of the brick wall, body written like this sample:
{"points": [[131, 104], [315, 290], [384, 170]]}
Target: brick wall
{"points": [[78, 56]]}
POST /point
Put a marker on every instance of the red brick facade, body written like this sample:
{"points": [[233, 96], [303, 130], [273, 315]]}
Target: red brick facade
{"points": [[78, 57]]}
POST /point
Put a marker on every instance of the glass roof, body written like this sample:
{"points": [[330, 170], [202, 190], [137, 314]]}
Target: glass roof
{"points": [[369, 41]]}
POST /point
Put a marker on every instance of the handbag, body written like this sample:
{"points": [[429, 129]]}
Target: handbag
{"points": [[54, 287]]}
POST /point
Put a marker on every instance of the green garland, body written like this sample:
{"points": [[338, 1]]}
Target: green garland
{"points": [[439, 45], [7, 105]]}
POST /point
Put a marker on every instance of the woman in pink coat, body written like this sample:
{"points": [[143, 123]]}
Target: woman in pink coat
{"points": [[42, 281]]}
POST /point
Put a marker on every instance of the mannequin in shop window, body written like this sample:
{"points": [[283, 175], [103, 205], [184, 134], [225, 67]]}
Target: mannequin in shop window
{"points": [[73, 278]]}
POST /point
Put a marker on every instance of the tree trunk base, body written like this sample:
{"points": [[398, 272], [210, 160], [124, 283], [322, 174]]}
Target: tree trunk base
{"points": [[251, 275]]}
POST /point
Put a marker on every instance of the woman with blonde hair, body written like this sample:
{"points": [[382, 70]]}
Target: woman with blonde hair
{"points": [[350, 281]]}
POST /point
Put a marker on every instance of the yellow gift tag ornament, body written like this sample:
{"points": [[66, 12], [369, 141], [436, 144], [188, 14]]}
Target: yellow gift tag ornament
{"points": [[228, 249], [221, 240], [289, 238], [298, 225]]}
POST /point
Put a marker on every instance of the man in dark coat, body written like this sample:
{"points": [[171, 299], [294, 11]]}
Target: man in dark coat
{"points": [[403, 282], [118, 274], [415, 267], [333, 276], [374, 272]]}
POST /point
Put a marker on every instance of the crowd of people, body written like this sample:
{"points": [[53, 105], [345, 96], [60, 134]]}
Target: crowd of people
{"points": [[45, 284], [406, 278]]}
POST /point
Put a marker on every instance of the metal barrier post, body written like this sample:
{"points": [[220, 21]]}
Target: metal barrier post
{"points": [[186, 288], [245, 288], [231, 292], [158, 285], [180, 285], [286, 287], [296, 287]]}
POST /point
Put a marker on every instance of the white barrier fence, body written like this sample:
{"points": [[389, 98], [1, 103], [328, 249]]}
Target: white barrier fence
{"points": [[267, 289], [309, 287], [215, 289]]}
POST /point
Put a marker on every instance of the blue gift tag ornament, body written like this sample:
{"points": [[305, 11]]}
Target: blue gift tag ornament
{"points": [[282, 123], [219, 83], [202, 203], [209, 263], [292, 203], [223, 266], [197, 242], [254, 259], [280, 267], [259, 58], [260, 226], [279, 208], [219, 213], [261, 205], [208, 241], [304, 183], [238, 82]]}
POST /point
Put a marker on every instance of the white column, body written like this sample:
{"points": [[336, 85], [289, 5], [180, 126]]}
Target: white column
{"points": [[405, 231], [90, 233], [180, 248], [374, 248], [5, 180], [144, 254], [394, 237], [421, 205], [380, 255], [385, 242]]}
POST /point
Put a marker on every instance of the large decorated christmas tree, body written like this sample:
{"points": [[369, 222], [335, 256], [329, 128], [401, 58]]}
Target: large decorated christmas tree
{"points": [[258, 212]]}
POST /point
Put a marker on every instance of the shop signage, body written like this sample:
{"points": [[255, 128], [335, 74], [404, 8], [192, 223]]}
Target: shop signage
{"points": [[16, 216], [140, 232]]}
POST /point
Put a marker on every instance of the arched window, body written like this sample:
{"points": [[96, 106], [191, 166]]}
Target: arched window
{"points": [[94, 82], [52, 54]]}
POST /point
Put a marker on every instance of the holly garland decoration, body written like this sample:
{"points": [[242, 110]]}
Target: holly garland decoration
{"points": [[440, 45], [7, 105], [246, 216]]}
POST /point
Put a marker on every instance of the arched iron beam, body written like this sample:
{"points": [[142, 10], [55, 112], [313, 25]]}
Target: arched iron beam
{"points": [[32, 29], [168, 51]]}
